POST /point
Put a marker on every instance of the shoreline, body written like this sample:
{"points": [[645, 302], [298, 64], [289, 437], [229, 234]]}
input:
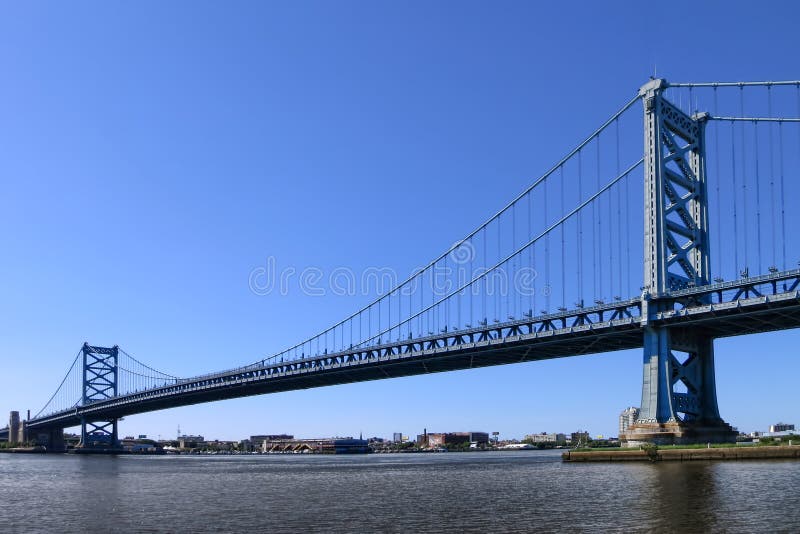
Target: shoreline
{"points": [[685, 455]]}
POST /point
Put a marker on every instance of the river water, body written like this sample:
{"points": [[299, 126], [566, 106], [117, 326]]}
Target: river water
{"points": [[521, 491]]}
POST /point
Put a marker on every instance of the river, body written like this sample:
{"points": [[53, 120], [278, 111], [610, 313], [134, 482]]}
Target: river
{"points": [[520, 491]]}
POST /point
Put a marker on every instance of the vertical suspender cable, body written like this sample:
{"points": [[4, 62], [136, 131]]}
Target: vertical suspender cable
{"points": [[485, 278], [512, 289], [610, 226], [772, 206], [421, 302], [598, 292], [718, 229], [445, 304], [499, 257], [458, 296], [532, 265], [545, 287], [735, 194], [580, 228], [471, 316], [594, 236], [745, 220], [783, 196], [620, 289], [628, 229], [563, 244], [758, 203], [433, 312]]}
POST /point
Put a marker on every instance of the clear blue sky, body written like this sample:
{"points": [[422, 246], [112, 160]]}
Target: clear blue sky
{"points": [[153, 154]]}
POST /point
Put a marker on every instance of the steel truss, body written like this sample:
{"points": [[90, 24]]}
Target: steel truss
{"points": [[100, 372]]}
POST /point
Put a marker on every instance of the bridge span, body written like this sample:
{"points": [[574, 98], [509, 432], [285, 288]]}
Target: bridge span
{"points": [[573, 226]]}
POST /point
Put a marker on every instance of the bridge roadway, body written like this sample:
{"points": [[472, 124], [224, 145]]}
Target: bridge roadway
{"points": [[746, 306]]}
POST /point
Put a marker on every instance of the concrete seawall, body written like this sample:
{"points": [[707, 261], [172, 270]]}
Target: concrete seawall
{"points": [[684, 455]]}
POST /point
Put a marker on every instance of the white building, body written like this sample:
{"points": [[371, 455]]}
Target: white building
{"points": [[544, 437], [627, 418]]}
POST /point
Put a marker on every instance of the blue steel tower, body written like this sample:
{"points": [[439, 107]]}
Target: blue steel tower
{"points": [[100, 371], [679, 398]]}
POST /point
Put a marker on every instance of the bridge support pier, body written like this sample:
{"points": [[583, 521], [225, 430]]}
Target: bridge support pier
{"points": [[50, 438], [679, 397]]}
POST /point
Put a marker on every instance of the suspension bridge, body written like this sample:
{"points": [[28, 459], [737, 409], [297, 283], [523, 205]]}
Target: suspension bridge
{"points": [[610, 249]]}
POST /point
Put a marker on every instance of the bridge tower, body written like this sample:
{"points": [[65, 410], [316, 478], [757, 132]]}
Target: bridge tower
{"points": [[679, 398], [99, 383]]}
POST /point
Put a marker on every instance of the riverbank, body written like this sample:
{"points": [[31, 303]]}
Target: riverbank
{"points": [[23, 450], [684, 455]]}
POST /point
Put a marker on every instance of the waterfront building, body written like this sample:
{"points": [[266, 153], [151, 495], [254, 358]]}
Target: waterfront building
{"points": [[627, 418], [780, 427], [544, 437], [270, 437], [397, 437], [579, 438], [256, 443], [442, 439], [140, 445], [190, 442], [346, 445]]}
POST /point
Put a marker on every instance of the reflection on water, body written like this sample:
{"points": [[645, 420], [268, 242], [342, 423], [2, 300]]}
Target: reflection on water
{"points": [[475, 492]]}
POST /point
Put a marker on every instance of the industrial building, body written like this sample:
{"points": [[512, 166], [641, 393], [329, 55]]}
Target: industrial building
{"points": [[443, 439], [346, 445], [256, 443], [781, 427]]}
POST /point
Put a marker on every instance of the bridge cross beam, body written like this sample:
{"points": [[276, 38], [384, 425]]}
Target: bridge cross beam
{"points": [[100, 373], [676, 256]]}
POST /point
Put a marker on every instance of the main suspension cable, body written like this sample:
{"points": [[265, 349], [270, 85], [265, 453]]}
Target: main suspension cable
{"points": [[58, 389], [501, 261]]}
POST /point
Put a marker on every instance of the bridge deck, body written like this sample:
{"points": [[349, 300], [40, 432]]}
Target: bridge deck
{"points": [[720, 310]]}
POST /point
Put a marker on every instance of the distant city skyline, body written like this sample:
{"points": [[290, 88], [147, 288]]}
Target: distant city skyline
{"points": [[150, 171]]}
